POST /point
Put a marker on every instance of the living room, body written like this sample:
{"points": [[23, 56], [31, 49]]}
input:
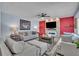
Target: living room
{"points": [[40, 27]]}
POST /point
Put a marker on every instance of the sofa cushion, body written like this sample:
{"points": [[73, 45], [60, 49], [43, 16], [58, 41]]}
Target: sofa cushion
{"points": [[29, 50], [42, 45], [15, 47], [67, 38], [4, 51], [75, 37], [28, 35]]}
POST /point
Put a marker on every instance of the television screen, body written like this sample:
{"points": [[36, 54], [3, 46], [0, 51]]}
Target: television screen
{"points": [[51, 25]]}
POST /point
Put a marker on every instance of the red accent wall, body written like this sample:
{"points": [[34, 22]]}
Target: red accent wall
{"points": [[42, 28], [67, 25]]}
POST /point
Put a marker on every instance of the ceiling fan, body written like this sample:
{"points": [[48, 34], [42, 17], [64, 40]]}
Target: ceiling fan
{"points": [[43, 15]]}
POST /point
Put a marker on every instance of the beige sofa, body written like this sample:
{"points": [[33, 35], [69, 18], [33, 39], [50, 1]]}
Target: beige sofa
{"points": [[66, 47], [28, 35], [10, 47], [20, 48]]}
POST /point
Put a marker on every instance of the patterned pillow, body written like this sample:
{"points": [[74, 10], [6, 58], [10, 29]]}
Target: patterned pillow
{"points": [[16, 37]]}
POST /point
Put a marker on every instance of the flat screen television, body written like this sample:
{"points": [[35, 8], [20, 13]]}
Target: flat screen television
{"points": [[51, 25]]}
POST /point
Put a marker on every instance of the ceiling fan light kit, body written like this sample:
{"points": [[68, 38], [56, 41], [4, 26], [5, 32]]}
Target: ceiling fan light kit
{"points": [[43, 15]]}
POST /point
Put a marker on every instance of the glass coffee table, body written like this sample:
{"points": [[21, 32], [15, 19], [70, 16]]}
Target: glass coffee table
{"points": [[51, 41]]}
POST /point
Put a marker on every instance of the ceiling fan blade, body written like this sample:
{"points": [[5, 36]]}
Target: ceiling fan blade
{"points": [[47, 16], [42, 15]]}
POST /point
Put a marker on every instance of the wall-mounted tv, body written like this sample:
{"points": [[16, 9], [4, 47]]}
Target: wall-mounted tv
{"points": [[50, 24]]}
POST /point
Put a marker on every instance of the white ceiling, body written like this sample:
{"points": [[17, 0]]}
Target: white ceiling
{"points": [[31, 9]]}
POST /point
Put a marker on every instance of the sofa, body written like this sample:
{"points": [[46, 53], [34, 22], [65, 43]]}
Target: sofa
{"points": [[28, 35], [28, 46], [10, 47], [74, 36], [66, 47], [31, 37]]}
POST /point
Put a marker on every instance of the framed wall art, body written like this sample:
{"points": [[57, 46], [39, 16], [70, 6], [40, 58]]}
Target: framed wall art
{"points": [[25, 25]]}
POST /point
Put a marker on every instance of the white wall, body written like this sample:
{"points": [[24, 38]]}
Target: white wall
{"points": [[9, 19], [0, 20], [0, 24]]}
